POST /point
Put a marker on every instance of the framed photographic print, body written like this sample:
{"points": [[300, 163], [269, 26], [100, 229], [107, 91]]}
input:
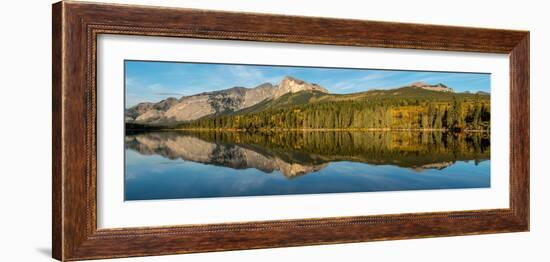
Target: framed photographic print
{"points": [[181, 130]]}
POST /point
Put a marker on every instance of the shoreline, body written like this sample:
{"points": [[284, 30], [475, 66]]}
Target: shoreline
{"points": [[314, 130]]}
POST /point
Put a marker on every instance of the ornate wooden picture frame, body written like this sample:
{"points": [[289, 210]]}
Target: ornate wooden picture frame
{"points": [[76, 26]]}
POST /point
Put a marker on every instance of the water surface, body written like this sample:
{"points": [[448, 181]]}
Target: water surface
{"points": [[172, 165]]}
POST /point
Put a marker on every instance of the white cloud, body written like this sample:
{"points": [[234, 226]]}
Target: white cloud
{"points": [[245, 72], [156, 87], [373, 79], [249, 76]]}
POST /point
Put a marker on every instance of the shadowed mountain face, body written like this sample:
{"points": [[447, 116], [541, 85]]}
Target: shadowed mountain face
{"points": [[173, 110], [298, 153]]}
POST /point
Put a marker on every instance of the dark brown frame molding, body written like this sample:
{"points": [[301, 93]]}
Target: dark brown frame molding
{"points": [[75, 28]]}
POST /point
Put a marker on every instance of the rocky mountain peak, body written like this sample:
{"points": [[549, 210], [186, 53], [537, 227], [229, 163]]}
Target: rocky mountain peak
{"points": [[438, 87], [419, 84], [291, 84]]}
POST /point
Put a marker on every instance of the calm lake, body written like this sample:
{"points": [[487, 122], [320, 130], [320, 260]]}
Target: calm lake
{"points": [[183, 164]]}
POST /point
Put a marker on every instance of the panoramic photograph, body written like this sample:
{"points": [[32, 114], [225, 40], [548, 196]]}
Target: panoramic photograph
{"points": [[200, 130]]}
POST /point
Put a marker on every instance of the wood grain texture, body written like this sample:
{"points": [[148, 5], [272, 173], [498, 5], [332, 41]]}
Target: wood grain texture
{"points": [[76, 26], [519, 129], [57, 191]]}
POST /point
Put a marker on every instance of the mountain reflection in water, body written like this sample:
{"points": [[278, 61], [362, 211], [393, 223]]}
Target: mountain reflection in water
{"points": [[299, 153]]}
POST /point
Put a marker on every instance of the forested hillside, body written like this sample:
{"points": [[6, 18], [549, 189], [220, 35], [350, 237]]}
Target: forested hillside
{"points": [[403, 108]]}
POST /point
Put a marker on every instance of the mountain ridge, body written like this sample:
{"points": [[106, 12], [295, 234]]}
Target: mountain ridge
{"points": [[213, 103], [289, 92]]}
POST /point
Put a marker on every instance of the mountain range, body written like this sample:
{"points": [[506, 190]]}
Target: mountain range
{"points": [[186, 108], [294, 103]]}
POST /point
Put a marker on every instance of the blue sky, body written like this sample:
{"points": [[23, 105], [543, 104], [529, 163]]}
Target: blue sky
{"points": [[153, 81]]}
